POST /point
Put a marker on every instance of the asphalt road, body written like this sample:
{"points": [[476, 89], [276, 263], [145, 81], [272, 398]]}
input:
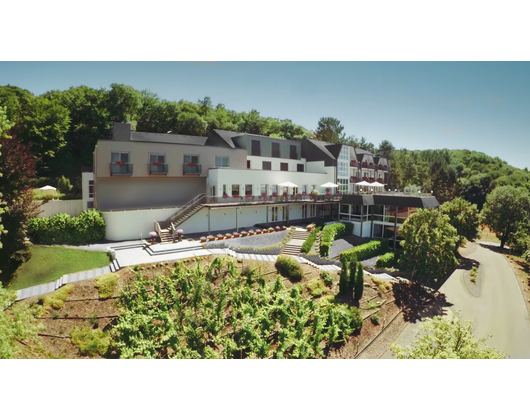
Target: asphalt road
{"points": [[498, 310]]}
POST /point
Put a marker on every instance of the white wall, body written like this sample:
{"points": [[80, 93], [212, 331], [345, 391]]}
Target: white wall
{"points": [[134, 224], [85, 177], [256, 162], [72, 207]]}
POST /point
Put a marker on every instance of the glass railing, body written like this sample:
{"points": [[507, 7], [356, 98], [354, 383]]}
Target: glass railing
{"points": [[229, 199], [191, 169], [158, 169], [121, 168]]}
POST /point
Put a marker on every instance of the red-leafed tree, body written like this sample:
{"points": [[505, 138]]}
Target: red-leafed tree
{"points": [[17, 167]]}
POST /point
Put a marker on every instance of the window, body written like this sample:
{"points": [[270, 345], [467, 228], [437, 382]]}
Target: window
{"points": [[284, 166], [224, 190], [248, 164], [292, 152], [300, 167], [235, 190], [275, 189], [274, 217], [90, 189], [221, 162], [248, 189], [191, 165], [304, 189], [119, 157], [90, 204], [264, 189], [157, 158], [276, 150], [120, 164], [266, 166], [256, 148], [191, 159]]}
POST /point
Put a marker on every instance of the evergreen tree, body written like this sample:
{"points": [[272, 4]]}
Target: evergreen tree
{"points": [[359, 282], [344, 275]]}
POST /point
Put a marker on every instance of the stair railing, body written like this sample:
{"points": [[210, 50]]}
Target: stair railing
{"points": [[157, 229], [193, 202]]}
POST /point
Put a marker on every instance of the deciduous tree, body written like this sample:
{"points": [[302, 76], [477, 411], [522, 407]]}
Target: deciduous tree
{"points": [[429, 243], [446, 338], [464, 217], [506, 207]]}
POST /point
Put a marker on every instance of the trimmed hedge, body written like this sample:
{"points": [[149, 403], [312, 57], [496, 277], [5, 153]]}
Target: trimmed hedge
{"points": [[88, 227], [369, 250], [330, 232], [289, 267], [308, 244], [390, 259]]}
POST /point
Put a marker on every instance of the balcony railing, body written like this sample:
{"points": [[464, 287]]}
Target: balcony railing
{"points": [[123, 169], [160, 169], [354, 163], [191, 169], [273, 199]]}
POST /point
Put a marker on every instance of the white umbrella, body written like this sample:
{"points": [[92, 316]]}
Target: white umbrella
{"points": [[288, 184], [329, 185], [48, 188], [364, 184], [377, 184]]}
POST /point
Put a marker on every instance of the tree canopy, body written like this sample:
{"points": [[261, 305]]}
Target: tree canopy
{"points": [[429, 243], [446, 338], [464, 217], [505, 210]]}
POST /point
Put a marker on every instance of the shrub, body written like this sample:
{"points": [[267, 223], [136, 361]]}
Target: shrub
{"points": [[390, 259], [106, 285], [289, 267], [308, 244], [359, 283], [63, 185], [316, 287], [369, 250], [375, 319], [90, 341], [56, 299], [328, 236], [88, 227], [327, 278]]}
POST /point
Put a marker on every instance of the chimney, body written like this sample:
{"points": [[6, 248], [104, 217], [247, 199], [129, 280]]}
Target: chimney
{"points": [[121, 131]]}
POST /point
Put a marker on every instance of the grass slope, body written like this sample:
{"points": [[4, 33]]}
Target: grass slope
{"points": [[49, 263]]}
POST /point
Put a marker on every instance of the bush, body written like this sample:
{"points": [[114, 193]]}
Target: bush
{"points": [[90, 341], [375, 319], [106, 285], [88, 227], [289, 267], [316, 287], [63, 185], [369, 250], [329, 233], [56, 299], [327, 278], [390, 259], [359, 282], [308, 244]]}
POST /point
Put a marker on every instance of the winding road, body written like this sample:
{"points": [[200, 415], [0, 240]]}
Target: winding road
{"points": [[496, 307]]}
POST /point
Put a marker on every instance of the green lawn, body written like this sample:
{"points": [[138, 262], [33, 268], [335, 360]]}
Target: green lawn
{"points": [[49, 263]]}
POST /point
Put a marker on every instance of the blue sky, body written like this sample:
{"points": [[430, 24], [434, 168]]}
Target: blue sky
{"points": [[483, 106]]}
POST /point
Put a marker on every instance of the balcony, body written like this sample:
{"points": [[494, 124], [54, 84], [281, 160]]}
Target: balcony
{"points": [[157, 169], [272, 199], [191, 169], [371, 179], [354, 163], [382, 167], [121, 169]]}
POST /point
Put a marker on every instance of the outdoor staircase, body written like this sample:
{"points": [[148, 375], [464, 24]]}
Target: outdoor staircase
{"points": [[165, 235], [181, 218], [294, 246]]}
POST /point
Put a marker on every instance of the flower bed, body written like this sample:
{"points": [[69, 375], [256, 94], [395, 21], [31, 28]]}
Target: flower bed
{"points": [[203, 238], [220, 236], [251, 232], [278, 228], [228, 235], [244, 233], [236, 234], [211, 238], [258, 231]]}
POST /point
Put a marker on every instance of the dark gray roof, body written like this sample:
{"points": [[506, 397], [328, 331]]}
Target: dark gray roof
{"points": [[360, 151], [406, 201], [321, 145], [227, 136], [167, 138]]}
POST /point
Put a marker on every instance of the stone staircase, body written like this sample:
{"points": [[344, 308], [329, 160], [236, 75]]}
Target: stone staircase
{"points": [[294, 246]]}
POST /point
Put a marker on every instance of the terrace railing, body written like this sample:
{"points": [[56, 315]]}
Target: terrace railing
{"points": [[272, 199], [160, 169], [194, 169], [123, 169]]}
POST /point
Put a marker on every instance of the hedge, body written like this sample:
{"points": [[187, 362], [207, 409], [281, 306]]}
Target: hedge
{"points": [[390, 259], [330, 232], [88, 227], [369, 250], [308, 244]]}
